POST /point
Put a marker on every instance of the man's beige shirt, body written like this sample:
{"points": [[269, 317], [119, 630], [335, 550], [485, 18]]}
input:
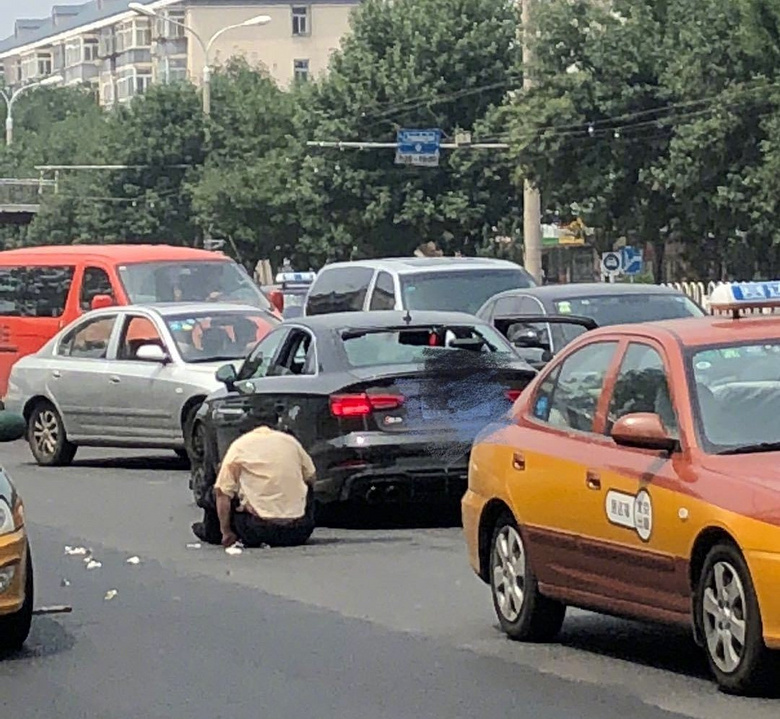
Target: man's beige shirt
{"points": [[269, 472]]}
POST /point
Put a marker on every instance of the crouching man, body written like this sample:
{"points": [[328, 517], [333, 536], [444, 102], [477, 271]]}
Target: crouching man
{"points": [[263, 494]]}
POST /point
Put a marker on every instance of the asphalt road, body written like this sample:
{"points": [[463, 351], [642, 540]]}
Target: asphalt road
{"points": [[360, 623]]}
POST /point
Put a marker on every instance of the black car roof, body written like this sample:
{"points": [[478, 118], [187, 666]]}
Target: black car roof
{"points": [[588, 289], [366, 320]]}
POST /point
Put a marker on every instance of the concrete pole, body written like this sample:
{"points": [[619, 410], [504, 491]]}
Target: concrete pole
{"points": [[532, 202], [9, 129], [207, 88]]}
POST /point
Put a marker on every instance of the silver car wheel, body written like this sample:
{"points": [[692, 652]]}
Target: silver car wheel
{"points": [[509, 573], [724, 615], [46, 432]]}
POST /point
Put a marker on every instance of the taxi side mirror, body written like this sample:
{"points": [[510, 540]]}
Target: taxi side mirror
{"points": [[643, 430]]}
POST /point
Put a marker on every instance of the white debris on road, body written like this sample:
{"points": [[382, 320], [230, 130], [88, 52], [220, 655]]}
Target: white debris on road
{"points": [[194, 545], [110, 594], [75, 551], [92, 564], [65, 583], [134, 560], [236, 549]]}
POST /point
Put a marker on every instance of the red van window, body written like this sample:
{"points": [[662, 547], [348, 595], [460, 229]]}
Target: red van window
{"points": [[94, 282], [34, 291]]}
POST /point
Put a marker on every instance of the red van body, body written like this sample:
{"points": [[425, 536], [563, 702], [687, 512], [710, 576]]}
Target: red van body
{"points": [[42, 289]]}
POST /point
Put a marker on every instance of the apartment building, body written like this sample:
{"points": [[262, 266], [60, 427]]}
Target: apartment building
{"points": [[104, 44]]}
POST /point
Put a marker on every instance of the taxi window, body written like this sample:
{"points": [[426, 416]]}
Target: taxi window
{"points": [[642, 386], [572, 400]]}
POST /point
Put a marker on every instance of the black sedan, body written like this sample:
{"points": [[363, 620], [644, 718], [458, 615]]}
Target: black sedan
{"points": [[576, 308], [386, 403]]}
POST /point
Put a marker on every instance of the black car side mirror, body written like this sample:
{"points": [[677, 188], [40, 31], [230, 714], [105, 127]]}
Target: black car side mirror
{"points": [[227, 375]]}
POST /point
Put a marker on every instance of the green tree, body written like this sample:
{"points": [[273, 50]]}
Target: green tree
{"points": [[246, 193], [408, 63]]}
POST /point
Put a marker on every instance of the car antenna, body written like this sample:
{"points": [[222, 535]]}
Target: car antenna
{"points": [[408, 317]]}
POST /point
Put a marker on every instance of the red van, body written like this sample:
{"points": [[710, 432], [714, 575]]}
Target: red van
{"points": [[44, 288]]}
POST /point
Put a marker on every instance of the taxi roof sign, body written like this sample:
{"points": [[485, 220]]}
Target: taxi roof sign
{"points": [[744, 296], [295, 278]]}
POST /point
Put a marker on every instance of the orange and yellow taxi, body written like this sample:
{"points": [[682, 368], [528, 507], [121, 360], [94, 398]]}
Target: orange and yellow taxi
{"points": [[16, 575], [639, 475]]}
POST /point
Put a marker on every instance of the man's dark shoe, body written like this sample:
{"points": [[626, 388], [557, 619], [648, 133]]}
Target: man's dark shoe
{"points": [[199, 530]]}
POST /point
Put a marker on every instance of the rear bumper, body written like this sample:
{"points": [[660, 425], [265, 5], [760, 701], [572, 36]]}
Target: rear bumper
{"points": [[13, 558], [381, 468]]}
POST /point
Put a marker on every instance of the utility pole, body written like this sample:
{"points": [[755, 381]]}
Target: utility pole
{"points": [[532, 202]]}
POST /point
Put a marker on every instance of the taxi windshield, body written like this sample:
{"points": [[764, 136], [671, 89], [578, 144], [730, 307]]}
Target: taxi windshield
{"points": [[736, 397], [217, 336], [199, 281]]}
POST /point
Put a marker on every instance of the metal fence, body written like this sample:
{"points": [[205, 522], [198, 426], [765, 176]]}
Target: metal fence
{"points": [[700, 292]]}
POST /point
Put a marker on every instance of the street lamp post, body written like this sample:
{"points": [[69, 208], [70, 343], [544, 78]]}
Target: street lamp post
{"points": [[10, 101], [206, 46]]}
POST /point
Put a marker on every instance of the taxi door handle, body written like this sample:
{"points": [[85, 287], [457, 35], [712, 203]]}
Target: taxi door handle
{"points": [[56, 374], [593, 481], [518, 461]]}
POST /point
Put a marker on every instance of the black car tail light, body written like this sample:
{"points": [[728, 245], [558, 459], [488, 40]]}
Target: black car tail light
{"points": [[361, 405]]}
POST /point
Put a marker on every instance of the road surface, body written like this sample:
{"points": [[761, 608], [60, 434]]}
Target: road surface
{"points": [[360, 623]]}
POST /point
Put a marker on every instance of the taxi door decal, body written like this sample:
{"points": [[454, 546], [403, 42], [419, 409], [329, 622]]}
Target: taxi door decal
{"points": [[633, 512]]}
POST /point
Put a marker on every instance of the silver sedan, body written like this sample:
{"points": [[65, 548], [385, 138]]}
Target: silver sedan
{"points": [[129, 376]]}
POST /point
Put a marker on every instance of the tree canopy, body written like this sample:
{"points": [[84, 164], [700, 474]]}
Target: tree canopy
{"points": [[655, 121]]}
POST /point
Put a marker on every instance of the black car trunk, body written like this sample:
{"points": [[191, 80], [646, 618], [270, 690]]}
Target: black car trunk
{"points": [[456, 398]]}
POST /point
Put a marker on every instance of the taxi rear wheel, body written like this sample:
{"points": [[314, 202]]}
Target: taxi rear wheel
{"points": [[728, 614], [523, 612], [15, 628], [47, 439]]}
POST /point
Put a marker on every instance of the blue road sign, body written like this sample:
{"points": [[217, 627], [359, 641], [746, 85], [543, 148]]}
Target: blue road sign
{"points": [[631, 260], [418, 147]]}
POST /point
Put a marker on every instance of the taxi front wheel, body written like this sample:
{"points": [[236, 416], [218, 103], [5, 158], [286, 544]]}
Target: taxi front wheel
{"points": [[524, 614], [729, 617]]}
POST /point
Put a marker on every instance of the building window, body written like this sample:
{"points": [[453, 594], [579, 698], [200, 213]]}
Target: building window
{"points": [[168, 30], [73, 53], [91, 50], [44, 65], [143, 33], [300, 20], [124, 37], [301, 70], [142, 83]]}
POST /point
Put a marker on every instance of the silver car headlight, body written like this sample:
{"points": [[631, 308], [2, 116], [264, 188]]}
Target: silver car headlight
{"points": [[7, 523]]}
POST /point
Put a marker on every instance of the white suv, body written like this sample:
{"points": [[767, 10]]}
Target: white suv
{"points": [[458, 284]]}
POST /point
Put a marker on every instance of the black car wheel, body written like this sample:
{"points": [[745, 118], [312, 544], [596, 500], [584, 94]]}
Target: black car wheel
{"points": [[47, 438], [729, 617], [15, 628], [203, 473], [523, 612]]}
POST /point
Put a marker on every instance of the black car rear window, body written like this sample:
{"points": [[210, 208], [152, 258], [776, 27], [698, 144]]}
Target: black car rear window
{"points": [[459, 290], [625, 309], [416, 345]]}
